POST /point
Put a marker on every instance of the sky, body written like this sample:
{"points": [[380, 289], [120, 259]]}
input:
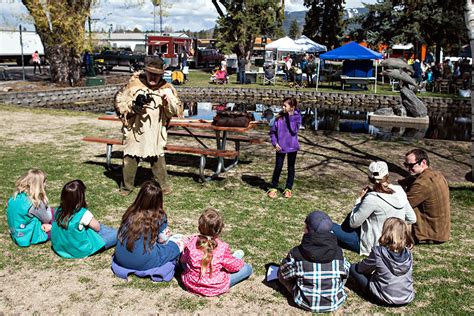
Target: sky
{"points": [[191, 15]]}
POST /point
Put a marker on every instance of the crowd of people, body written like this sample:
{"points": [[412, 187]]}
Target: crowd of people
{"points": [[428, 73], [384, 224]]}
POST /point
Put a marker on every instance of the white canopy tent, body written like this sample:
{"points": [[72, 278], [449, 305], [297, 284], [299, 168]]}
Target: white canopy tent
{"points": [[283, 45], [310, 46]]}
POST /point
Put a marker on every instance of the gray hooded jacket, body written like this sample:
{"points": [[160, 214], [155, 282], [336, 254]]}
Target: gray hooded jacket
{"points": [[392, 280], [370, 214]]}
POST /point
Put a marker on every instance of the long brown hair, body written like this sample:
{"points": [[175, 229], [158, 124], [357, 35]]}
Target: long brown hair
{"points": [[292, 102], [73, 198], [396, 235], [144, 217], [210, 227], [381, 186]]}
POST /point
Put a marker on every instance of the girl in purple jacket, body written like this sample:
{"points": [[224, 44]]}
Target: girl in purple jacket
{"points": [[284, 136]]}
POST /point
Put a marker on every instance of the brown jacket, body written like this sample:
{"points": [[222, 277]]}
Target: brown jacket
{"points": [[428, 194], [144, 134]]}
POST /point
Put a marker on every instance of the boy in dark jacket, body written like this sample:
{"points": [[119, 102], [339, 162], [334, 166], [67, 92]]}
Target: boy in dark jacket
{"points": [[314, 272]]}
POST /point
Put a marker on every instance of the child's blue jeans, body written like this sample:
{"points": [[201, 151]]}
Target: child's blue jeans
{"points": [[241, 275], [361, 280], [109, 235]]}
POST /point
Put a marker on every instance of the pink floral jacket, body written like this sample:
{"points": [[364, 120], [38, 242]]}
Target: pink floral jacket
{"points": [[223, 264]]}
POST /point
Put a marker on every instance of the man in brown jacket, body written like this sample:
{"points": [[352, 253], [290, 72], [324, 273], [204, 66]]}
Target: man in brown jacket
{"points": [[428, 193]]}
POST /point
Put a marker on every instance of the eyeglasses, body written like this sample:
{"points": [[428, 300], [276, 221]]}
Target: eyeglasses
{"points": [[411, 165]]}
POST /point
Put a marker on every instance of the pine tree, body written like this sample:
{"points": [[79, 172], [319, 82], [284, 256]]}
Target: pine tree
{"points": [[294, 31], [323, 21], [243, 21]]}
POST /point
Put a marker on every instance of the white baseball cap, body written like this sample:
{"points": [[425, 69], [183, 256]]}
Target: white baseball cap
{"points": [[378, 170]]}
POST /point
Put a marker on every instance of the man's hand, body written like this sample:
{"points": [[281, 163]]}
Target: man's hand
{"points": [[277, 148]]}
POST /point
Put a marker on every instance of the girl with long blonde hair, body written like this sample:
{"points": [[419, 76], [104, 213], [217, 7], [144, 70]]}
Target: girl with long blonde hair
{"points": [[210, 268], [386, 275], [28, 214]]}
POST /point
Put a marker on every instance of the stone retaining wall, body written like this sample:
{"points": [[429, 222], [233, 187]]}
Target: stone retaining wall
{"points": [[100, 99]]}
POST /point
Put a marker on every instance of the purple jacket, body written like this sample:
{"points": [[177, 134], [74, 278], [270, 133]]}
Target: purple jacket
{"points": [[285, 132]]}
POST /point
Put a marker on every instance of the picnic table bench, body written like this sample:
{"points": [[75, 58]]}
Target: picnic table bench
{"points": [[363, 81], [220, 152]]}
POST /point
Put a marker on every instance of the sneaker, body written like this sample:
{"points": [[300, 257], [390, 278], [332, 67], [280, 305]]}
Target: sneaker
{"points": [[166, 191], [239, 254], [287, 193], [124, 192], [272, 193]]}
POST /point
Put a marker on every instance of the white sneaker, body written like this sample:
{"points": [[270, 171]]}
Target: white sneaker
{"points": [[239, 254]]}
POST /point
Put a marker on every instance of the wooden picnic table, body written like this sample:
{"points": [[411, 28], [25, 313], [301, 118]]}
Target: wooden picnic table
{"points": [[221, 135], [363, 81]]}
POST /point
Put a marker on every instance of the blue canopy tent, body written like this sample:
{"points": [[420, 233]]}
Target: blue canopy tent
{"points": [[358, 60]]}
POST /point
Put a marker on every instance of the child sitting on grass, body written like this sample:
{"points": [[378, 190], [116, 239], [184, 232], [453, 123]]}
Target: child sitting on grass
{"points": [[75, 232], [28, 214], [210, 268], [314, 272], [145, 243], [386, 275]]}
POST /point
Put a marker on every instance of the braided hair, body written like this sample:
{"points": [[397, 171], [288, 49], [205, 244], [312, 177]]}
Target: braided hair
{"points": [[210, 227]]}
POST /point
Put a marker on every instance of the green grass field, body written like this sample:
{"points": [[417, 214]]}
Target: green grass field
{"points": [[330, 171]]}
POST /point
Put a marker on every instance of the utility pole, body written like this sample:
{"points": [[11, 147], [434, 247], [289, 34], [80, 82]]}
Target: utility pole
{"points": [[154, 18], [161, 18], [22, 58]]}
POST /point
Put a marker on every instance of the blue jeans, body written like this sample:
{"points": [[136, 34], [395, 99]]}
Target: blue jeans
{"points": [[241, 275], [347, 237], [280, 158], [242, 76], [361, 280], [109, 235]]}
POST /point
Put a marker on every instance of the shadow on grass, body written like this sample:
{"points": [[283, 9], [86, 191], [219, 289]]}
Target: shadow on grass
{"points": [[278, 287], [354, 154], [256, 182]]}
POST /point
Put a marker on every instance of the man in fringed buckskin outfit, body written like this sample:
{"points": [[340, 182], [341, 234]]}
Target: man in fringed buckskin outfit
{"points": [[145, 106]]}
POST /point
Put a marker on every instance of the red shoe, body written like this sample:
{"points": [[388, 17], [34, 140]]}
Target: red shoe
{"points": [[287, 193], [272, 193]]}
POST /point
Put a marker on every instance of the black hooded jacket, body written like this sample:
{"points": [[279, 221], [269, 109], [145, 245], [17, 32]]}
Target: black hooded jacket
{"points": [[318, 247]]}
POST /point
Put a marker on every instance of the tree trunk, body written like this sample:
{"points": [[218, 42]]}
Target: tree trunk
{"points": [[469, 18], [438, 53], [64, 64], [60, 25]]}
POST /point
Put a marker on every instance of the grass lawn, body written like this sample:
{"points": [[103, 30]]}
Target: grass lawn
{"points": [[330, 172]]}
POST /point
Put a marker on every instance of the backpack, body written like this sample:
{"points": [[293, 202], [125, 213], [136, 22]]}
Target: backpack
{"points": [[177, 77]]}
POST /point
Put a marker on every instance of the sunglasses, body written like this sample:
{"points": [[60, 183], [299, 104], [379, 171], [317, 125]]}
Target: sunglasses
{"points": [[411, 165]]}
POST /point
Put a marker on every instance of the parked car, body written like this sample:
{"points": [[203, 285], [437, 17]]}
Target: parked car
{"points": [[209, 57], [111, 58]]}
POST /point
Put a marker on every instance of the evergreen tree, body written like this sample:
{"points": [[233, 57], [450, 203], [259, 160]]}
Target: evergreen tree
{"points": [[294, 31], [243, 21], [436, 23], [323, 21]]}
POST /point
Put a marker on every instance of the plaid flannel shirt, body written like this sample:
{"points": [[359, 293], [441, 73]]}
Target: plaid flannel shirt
{"points": [[319, 287]]}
